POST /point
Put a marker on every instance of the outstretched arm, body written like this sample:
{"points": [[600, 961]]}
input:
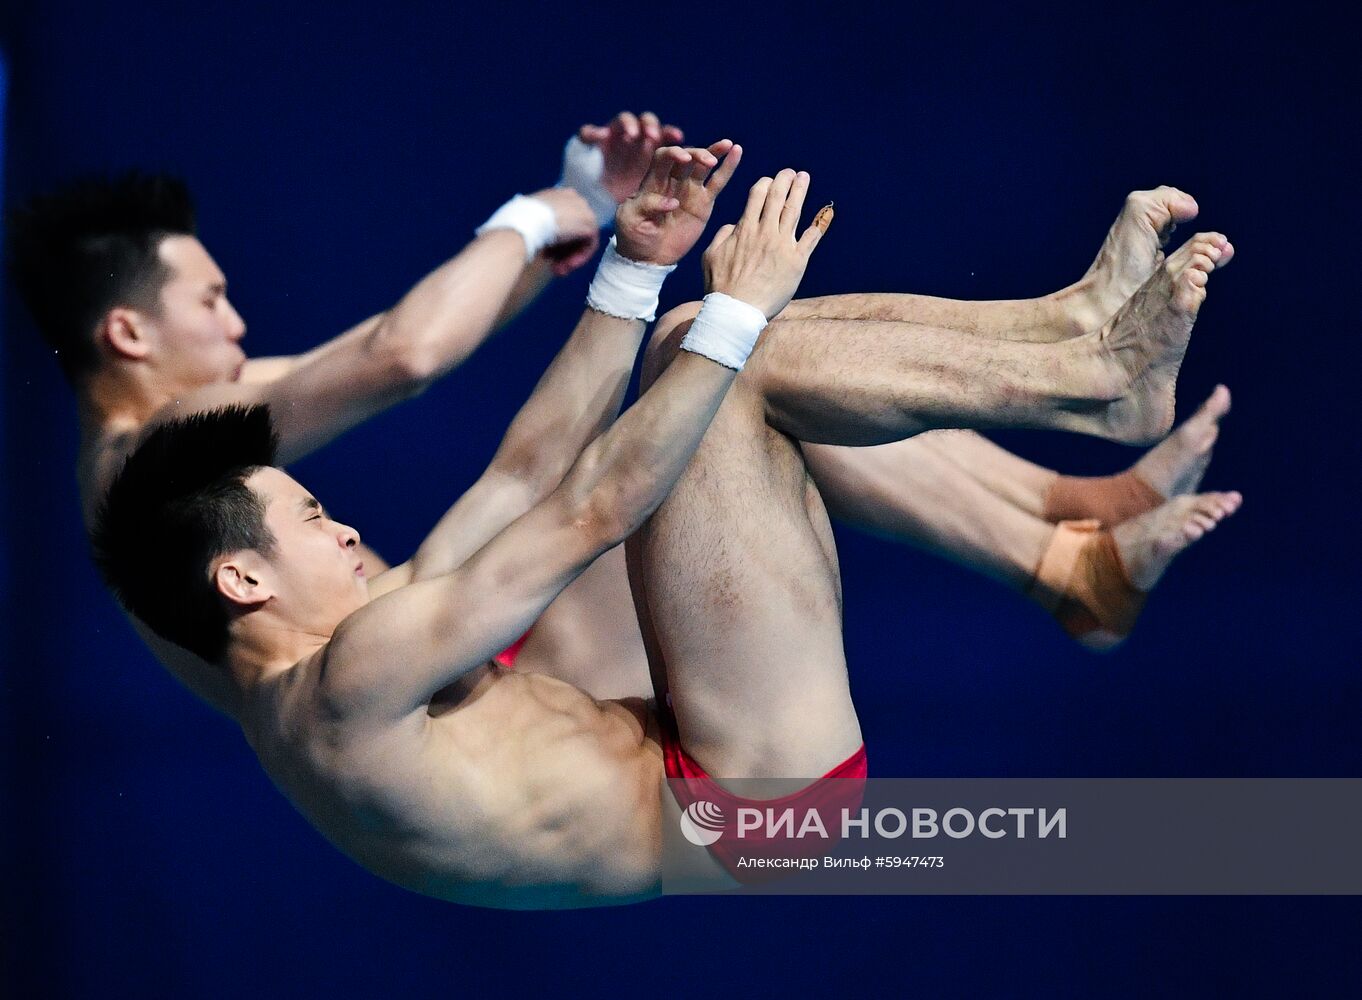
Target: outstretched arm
{"points": [[390, 657], [318, 395], [581, 392], [432, 329]]}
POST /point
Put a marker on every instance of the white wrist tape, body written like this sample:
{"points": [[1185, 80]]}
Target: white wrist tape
{"points": [[530, 217], [583, 167], [625, 288], [725, 331]]}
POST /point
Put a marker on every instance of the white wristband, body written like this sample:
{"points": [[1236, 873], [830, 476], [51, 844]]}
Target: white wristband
{"points": [[725, 331], [530, 217], [625, 288], [583, 167]]}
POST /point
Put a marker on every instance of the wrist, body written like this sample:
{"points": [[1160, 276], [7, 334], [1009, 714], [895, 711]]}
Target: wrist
{"points": [[583, 170], [725, 331], [624, 288], [531, 218]]}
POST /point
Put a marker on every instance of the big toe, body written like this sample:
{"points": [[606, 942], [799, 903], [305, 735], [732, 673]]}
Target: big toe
{"points": [[1164, 207], [1202, 426], [1179, 205], [1217, 404]]}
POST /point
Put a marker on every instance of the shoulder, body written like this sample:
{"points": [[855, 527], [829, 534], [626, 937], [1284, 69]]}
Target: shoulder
{"points": [[101, 459]]}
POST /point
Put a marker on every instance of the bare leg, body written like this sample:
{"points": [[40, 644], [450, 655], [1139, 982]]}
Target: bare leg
{"points": [[1171, 468], [738, 591], [867, 382], [909, 492], [929, 502], [740, 604], [740, 600], [1126, 259], [1021, 483]]}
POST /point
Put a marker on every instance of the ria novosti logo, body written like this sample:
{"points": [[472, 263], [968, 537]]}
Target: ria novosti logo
{"points": [[702, 823]]}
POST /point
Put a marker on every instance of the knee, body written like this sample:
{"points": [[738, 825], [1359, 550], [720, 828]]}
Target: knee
{"points": [[665, 340]]}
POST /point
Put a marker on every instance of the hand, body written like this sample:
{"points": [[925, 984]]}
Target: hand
{"points": [[660, 223], [627, 145], [758, 260], [578, 235]]}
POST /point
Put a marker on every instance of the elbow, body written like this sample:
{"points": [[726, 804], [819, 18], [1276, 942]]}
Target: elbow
{"points": [[411, 365], [602, 513]]}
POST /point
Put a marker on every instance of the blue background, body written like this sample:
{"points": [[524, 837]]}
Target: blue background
{"points": [[339, 154]]}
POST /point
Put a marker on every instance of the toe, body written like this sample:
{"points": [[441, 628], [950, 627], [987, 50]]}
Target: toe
{"points": [[1217, 403]]}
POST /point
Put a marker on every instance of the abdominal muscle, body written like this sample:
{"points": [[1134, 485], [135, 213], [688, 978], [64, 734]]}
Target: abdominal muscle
{"points": [[525, 793]]}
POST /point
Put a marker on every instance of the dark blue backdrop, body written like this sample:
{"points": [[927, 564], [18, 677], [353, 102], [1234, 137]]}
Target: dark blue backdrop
{"points": [[339, 154]]}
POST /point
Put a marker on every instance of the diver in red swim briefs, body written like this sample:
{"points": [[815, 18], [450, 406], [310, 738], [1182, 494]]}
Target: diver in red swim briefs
{"points": [[375, 707]]}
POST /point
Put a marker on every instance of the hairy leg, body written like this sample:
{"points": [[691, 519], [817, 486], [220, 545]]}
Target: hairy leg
{"points": [[864, 382], [867, 382], [1126, 259], [739, 600]]}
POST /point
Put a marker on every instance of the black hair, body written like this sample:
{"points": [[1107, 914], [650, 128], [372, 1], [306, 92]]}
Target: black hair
{"points": [[180, 501], [94, 244]]}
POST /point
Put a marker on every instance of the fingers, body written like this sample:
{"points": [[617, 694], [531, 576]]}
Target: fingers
{"points": [[645, 127], [776, 195], [652, 203], [652, 128], [701, 163], [593, 134], [794, 204], [814, 234], [756, 199], [660, 171], [720, 178], [626, 124], [721, 237]]}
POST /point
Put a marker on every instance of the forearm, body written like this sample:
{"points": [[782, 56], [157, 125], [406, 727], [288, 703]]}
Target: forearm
{"points": [[573, 403], [576, 399], [622, 477], [533, 280], [614, 482]]}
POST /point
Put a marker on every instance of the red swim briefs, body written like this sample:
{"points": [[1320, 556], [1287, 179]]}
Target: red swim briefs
{"points": [[840, 789], [507, 656]]}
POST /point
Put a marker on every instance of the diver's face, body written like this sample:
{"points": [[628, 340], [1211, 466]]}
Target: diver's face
{"points": [[197, 332], [316, 573]]}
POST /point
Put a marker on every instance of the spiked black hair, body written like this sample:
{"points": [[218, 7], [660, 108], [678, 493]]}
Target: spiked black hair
{"points": [[181, 501], [92, 245]]}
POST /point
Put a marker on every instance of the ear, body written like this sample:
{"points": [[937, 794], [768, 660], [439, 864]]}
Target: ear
{"points": [[244, 579], [125, 332]]}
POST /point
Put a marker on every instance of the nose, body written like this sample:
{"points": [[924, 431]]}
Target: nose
{"points": [[236, 326], [346, 536]]}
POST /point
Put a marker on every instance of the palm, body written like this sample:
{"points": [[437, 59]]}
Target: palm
{"points": [[670, 235], [666, 217]]}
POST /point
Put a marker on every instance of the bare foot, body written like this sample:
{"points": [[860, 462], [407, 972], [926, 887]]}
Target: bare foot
{"points": [[1149, 543], [1176, 464], [1128, 256], [1148, 337]]}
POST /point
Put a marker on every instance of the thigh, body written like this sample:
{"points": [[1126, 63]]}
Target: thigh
{"points": [[739, 575]]}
